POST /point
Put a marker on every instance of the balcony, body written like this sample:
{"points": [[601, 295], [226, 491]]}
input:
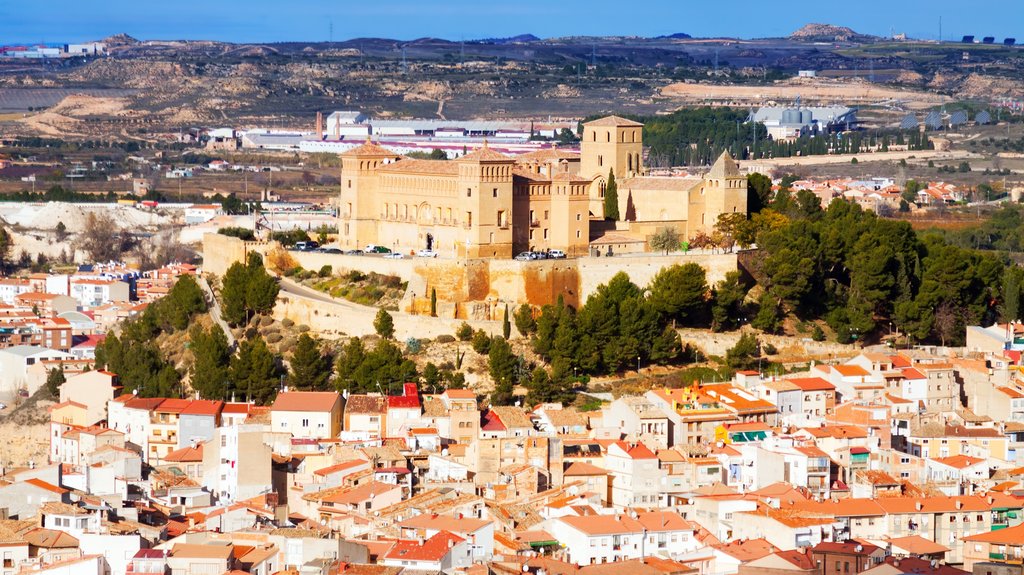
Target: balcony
{"points": [[998, 556]]}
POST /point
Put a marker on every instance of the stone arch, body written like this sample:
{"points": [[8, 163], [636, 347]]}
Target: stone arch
{"points": [[424, 213]]}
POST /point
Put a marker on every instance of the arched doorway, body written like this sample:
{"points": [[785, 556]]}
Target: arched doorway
{"points": [[430, 241]]}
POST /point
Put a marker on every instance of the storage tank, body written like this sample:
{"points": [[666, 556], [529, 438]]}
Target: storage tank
{"points": [[805, 117], [791, 116]]}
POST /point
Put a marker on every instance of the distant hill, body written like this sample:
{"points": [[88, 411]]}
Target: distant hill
{"points": [[827, 33], [676, 36], [520, 39], [119, 40]]}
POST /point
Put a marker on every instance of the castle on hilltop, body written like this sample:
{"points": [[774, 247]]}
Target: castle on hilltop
{"points": [[489, 205]]}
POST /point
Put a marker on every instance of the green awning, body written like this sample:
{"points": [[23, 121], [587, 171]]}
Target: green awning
{"points": [[1012, 514], [543, 543]]}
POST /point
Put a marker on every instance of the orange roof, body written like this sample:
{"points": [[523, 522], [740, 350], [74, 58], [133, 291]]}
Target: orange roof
{"points": [[47, 486], [851, 370], [1009, 536], [459, 394], [185, 455], [340, 467], [306, 401], [812, 384], [958, 461], [203, 407], [433, 549], [444, 523], [581, 468], [918, 545]]}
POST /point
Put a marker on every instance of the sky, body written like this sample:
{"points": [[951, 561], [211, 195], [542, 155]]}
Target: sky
{"points": [[62, 21]]}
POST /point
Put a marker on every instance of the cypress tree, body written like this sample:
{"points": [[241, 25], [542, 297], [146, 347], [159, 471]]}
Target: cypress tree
{"points": [[611, 198]]}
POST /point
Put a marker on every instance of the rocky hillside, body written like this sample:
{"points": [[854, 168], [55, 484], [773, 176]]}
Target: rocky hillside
{"points": [[827, 33]]}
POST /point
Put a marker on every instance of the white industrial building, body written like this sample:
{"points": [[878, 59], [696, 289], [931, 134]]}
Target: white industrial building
{"points": [[788, 123]]}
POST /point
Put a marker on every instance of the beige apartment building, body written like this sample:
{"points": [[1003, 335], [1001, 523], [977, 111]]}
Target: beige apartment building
{"points": [[489, 205]]}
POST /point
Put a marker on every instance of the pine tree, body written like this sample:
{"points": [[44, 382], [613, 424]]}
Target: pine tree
{"points": [[501, 364], [310, 368], [54, 379], [524, 320], [506, 326], [255, 371], [209, 373], [611, 198], [384, 324]]}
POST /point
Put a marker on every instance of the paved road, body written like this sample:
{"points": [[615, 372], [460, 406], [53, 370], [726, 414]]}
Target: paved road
{"points": [[215, 311]]}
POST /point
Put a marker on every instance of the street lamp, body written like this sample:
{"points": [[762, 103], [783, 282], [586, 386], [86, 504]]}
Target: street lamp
{"points": [[638, 365]]}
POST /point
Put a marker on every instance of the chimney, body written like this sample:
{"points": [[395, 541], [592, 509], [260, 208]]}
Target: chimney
{"points": [[337, 128], [319, 125]]}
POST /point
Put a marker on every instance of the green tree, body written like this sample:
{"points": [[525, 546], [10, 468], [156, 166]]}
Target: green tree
{"points": [[362, 371], [433, 302], [384, 325], [525, 323], [209, 372], [727, 302], [759, 192], [666, 240], [501, 365], [464, 332], [769, 316], [543, 388], [481, 342], [232, 205], [247, 289], [310, 367], [745, 353], [506, 325], [5, 250], [431, 376], [255, 371], [54, 379], [611, 198], [679, 292], [61, 232]]}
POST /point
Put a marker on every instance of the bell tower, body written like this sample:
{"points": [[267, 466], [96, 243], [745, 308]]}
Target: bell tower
{"points": [[611, 143]]}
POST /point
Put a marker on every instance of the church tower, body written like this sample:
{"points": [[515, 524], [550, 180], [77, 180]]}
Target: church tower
{"points": [[610, 144], [724, 191], [358, 209]]}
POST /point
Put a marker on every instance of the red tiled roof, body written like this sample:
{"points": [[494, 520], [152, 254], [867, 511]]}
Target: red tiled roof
{"points": [[203, 407], [185, 455], [47, 486], [306, 401], [812, 384], [433, 549]]}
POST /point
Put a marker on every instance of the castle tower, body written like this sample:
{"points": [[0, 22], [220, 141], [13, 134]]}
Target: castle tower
{"points": [[485, 191], [358, 211], [610, 144], [724, 191]]}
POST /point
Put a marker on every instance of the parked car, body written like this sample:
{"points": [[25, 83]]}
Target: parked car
{"points": [[354, 253], [372, 249], [3, 406], [331, 251], [426, 254], [393, 256], [525, 257], [556, 255]]}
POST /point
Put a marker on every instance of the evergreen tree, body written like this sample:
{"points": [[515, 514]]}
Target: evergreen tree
{"points": [[679, 292], [727, 302], [255, 371], [501, 364], [759, 192], [54, 379], [384, 324], [247, 289], [611, 198], [310, 368], [543, 388], [744, 354], [209, 372], [525, 323], [506, 326]]}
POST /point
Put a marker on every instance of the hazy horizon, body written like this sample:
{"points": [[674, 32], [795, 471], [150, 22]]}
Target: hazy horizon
{"points": [[256, 21]]}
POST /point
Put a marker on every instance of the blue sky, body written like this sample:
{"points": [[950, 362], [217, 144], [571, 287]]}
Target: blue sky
{"points": [[309, 20]]}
